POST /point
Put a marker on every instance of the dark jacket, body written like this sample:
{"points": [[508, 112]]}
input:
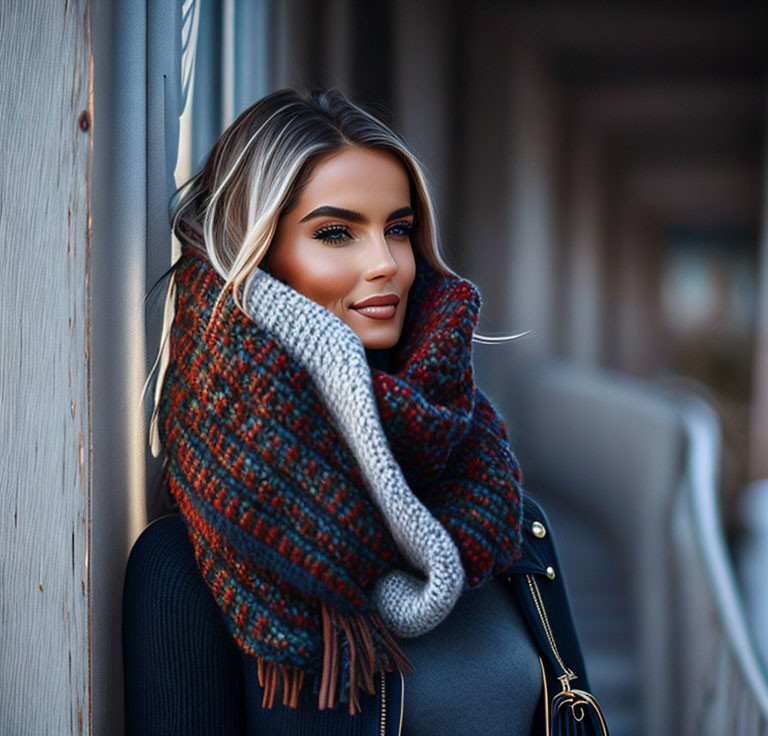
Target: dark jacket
{"points": [[168, 609], [538, 569]]}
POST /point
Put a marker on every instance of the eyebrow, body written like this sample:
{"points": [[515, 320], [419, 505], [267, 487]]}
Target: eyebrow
{"points": [[351, 215]]}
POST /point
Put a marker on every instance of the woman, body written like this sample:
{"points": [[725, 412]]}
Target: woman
{"points": [[354, 552]]}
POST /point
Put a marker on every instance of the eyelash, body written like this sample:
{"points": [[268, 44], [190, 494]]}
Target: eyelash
{"points": [[336, 229]]}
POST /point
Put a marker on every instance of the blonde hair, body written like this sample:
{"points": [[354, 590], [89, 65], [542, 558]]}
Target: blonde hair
{"points": [[256, 171]]}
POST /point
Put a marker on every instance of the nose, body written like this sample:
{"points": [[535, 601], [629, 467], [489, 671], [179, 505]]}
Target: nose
{"points": [[379, 259]]}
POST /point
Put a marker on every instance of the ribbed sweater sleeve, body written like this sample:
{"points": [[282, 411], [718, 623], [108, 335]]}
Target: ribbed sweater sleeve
{"points": [[181, 668]]}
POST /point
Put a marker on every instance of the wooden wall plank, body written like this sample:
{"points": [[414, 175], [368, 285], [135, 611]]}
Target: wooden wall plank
{"points": [[44, 367]]}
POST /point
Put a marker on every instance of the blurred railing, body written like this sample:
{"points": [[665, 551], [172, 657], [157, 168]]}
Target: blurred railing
{"points": [[628, 475], [723, 689], [751, 562]]}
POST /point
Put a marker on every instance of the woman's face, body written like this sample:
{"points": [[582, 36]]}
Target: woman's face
{"points": [[348, 239]]}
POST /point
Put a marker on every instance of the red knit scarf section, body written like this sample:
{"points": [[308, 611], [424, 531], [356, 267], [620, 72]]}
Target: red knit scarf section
{"points": [[285, 532]]}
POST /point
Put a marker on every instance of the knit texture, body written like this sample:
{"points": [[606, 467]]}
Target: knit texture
{"points": [[330, 503], [182, 671]]}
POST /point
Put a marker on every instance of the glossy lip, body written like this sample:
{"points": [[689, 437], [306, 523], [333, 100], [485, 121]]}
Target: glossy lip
{"points": [[380, 300]]}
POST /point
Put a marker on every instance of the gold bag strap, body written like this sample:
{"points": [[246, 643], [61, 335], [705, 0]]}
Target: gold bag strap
{"points": [[546, 697]]}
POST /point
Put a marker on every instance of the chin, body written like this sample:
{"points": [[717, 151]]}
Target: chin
{"points": [[380, 343]]}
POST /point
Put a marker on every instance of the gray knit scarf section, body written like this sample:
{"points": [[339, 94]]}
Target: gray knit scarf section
{"points": [[334, 356]]}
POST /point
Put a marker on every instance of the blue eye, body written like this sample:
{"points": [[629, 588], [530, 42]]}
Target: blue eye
{"points": [[332, 234], [402, 229]]}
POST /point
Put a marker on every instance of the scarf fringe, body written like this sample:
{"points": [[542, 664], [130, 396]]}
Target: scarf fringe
{"points": [[360, 647], [292, 679]]}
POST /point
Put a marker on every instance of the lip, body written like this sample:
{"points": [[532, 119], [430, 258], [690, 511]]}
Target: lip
{"points": [[379, 300]]}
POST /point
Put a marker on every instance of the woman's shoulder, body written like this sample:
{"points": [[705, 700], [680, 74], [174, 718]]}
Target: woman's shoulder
{"points": [[162, 554], [164, 532]]}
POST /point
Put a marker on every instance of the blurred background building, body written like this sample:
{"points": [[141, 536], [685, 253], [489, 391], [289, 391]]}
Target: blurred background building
{"points": [[598, 168], [600, 173]]}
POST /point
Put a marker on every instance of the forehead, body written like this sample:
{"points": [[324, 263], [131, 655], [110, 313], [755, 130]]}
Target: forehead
{"points": [[357, 174]]}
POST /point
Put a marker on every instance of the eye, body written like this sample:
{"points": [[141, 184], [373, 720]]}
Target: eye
{"points": [[332, 234], [400, 229]]}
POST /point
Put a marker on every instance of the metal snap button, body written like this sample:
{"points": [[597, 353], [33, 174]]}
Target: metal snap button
{"points": [[550, 573], [538, 529]]}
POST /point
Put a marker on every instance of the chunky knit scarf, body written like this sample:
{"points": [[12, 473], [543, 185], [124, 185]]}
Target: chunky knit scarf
{"points": [[332, 504]]}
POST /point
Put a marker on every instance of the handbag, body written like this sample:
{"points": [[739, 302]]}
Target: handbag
{"points": [[571, 712]]}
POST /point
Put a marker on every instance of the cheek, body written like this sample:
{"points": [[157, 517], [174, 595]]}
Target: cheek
{"points": [[407, 267], [321, 276]]}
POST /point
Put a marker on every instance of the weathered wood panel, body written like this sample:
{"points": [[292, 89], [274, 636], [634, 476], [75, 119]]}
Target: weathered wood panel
{"points": [[45, 473]]}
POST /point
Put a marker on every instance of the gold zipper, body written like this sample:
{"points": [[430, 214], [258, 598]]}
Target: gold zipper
{"points": [[383, 721], [568, 674], [568, 698]]}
